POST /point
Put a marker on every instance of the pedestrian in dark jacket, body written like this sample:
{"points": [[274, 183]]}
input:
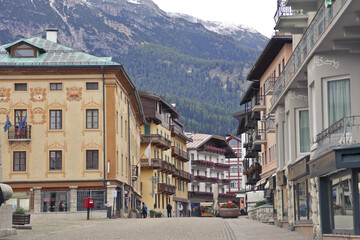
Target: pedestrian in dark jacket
{"points": [[144, 210], [169, 207]]}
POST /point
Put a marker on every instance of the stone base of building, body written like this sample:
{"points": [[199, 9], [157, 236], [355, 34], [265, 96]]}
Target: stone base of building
{"points": [[99, 214], [264, 214], [340, 237], [6, 221], [305, 229]]}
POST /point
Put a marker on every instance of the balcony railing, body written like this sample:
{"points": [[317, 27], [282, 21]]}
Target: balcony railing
{"points": [[344, 132], [166, 188], [202, 163], [201, 195], [185, 175], [222, 166], [157, 140], [270, 124], [179, 154], [260, 136], [258, 103], [315, 30], [225, 181], [284, 10], [154, 163], [226, 197], [269, 83], [14, 135]]}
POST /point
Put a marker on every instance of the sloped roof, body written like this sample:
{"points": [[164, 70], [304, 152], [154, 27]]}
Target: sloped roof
{"points": [[51, 54], [200, 139]]}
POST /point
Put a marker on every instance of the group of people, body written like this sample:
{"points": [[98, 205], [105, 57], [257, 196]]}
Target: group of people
{"points": [[168, 208]]}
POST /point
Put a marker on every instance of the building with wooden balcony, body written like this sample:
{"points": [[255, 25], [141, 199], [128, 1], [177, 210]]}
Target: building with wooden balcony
{"points": [[81, 133], [164, 174], [209, 166], [315, 107]]}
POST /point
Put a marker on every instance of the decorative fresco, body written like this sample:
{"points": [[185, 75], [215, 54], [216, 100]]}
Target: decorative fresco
{"points": [[73, 94], [38, 94], [4, 94]]}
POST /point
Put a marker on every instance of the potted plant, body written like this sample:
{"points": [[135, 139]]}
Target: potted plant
{"points": [[229, 210], [158, 214], [133, 213], [152, 213], [20, 217]]}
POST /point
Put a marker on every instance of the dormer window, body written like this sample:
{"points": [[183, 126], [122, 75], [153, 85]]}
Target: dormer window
{"points": [[24, 51]]}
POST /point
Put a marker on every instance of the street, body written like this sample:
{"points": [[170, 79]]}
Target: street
{"points": [[158, 228]]}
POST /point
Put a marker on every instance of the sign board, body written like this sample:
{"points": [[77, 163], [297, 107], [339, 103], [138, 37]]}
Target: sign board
{"points": [[115, 194]]}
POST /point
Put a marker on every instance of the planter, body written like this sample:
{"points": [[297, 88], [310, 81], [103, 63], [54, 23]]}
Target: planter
{"points": [[20, 219], [132, 215], [229, 212], [152, 216]]}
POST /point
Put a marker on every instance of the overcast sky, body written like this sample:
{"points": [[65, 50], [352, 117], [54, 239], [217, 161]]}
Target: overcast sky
{"points": [[257, 14]]}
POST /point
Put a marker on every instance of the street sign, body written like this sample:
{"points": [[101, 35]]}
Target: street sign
{"points": [[114, 194]]}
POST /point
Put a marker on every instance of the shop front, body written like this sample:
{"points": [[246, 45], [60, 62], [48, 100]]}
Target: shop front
{"points": [[282, 193], [339, 177]]}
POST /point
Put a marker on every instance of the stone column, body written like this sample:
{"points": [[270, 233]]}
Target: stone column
{"points": [[315, 207], [37, 199], [73, 198], [110, 198], [291, 207]]}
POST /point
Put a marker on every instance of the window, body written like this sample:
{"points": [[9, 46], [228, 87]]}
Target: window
{"points": [[20, 86], [92, 119], [92, 159], [338, 99], [55, 119], [55, 202], [302, 201], [19, 163], [24, 50], [98, 195], [55, 160], [92, 86], [304, 131], [19, 116], [55, 86]]}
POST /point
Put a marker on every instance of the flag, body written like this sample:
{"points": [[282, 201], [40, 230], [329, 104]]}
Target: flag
{"points": [[22, 124], [7, 124], [148, 153]]}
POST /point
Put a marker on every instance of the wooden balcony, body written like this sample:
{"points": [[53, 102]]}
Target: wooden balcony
{"points": [[221, 166], [179, 154], [156, 140], [226, 197], [201, 195], [155, 163], [166, 188], [226, 181], [202, 163], [183, 175], [174, 130], [15, 136]]}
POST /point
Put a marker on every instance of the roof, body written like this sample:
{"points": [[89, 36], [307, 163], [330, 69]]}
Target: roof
{"points": [[200, 139], [266, 57], [51, 54], [248, 91], [168, 106]]}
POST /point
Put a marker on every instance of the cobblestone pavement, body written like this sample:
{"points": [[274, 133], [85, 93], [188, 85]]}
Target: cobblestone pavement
{"points": [[159, 228]]}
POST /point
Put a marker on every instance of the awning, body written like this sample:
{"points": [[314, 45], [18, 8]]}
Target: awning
{"points": [[261, 182]]}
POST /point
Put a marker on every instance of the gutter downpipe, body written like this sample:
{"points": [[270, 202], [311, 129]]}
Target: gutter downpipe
{"points": [[130, 170], [104, 129]]}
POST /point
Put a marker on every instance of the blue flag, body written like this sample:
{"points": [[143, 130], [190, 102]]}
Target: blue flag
{"points": [[7, 124], [22, 125]]}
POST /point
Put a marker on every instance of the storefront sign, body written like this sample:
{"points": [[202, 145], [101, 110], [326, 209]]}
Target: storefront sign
{"points": [[272, 182], [299, 169], [281, 178]]}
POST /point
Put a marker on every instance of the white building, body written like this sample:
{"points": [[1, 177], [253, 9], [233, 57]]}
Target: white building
{"points": [[208, 157]]}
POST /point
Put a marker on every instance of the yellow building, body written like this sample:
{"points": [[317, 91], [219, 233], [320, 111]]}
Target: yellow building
{"points": [[82, 134], [164, 171]]}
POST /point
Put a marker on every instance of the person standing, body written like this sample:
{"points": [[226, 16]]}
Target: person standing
{"points": [[169, 208], [180, 209], [144, 210]]}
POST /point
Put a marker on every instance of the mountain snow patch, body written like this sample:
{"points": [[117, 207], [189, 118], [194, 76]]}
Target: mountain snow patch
{"points": [[134, 1]]}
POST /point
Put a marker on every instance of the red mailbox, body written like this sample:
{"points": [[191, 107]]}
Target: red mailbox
{"points": [[88, 202]]}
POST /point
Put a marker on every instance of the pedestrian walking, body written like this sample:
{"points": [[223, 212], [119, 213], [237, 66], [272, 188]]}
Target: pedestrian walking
{"points": [[180, 209], [144, 210], [169, 208]]}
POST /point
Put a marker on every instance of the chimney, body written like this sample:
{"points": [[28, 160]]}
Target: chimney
{"points": [[51, 34]]}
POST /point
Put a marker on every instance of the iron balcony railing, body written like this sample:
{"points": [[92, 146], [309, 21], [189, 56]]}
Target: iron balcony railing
{"points": [[284, 10], [315, 30], [15, 135], [258, 100], [269, 83], [344, 132], [270, 123]]}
